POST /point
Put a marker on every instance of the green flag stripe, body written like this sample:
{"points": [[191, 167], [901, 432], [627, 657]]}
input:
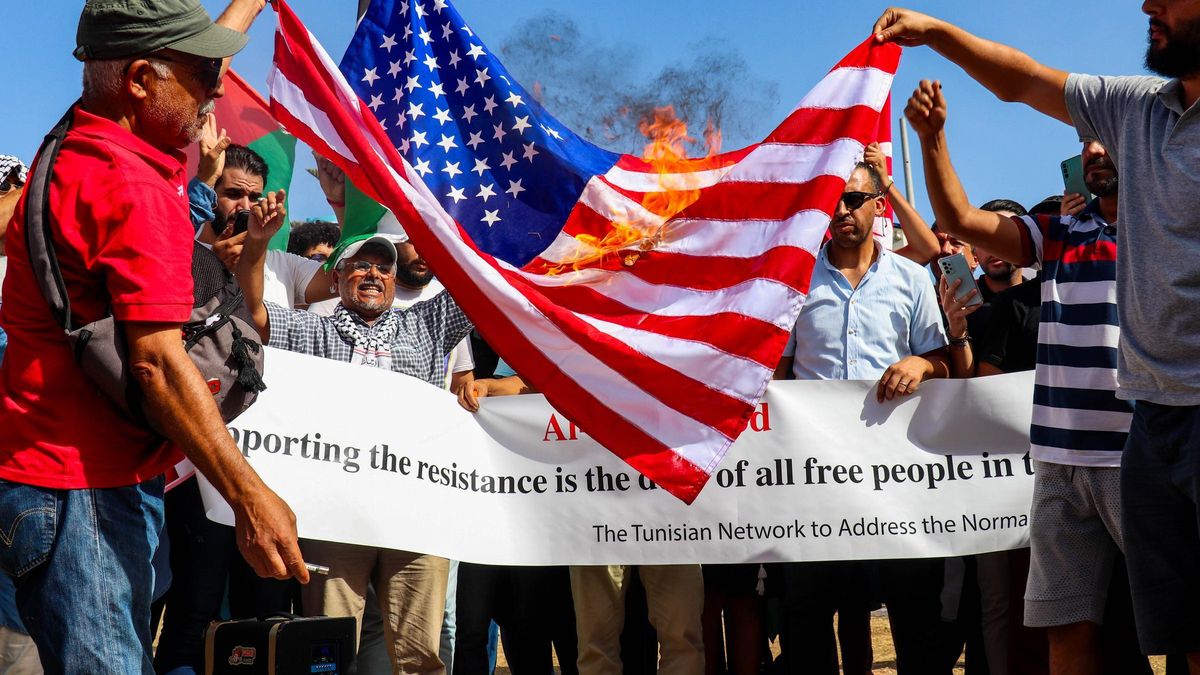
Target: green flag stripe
{"points": [[278, 149]]}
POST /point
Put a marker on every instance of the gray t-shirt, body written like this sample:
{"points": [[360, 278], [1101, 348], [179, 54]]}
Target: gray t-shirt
{"points": [[1155, 145]]}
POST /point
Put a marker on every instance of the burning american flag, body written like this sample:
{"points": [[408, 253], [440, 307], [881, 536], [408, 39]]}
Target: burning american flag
{"points": [[648, 299]]}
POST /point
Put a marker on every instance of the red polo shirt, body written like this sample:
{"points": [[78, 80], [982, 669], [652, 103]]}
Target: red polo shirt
{"points": [[121, 229]]}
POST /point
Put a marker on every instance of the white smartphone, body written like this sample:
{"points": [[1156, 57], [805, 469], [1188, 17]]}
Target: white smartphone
{"points": [[955, 267]]}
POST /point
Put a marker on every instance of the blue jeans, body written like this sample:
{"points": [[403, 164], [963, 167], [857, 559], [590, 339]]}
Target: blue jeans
{"points": [[81, 561]]}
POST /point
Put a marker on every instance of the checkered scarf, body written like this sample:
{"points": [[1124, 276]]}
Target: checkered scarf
{"points": [[372, 344], [8, 163]]}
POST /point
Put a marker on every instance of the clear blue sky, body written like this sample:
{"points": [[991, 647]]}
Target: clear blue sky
{"points": [[1001, 150]]}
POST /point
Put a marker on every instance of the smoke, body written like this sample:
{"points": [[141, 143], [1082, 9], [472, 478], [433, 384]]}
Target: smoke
{"points": [[597, 90]]}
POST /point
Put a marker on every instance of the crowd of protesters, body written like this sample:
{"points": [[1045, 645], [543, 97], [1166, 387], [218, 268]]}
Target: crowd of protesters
{"points": [[106, 572]]}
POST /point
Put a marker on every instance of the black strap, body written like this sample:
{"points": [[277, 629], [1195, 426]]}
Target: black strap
{"points": [[38, 233]]}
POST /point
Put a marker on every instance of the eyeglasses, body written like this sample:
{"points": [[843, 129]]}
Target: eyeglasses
{"points": [[854, 200], [364, 266], [319, 257], [7, 186], [207, 72]]}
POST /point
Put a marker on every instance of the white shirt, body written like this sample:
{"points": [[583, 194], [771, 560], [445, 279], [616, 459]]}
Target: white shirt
{"points": [[286, 277]]}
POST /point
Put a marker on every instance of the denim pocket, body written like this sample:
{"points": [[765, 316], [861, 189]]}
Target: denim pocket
{"points": [[28, 516]]}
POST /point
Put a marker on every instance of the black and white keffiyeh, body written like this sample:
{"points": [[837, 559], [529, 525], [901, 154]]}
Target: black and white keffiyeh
{"points": [[372, 344], [8, 163]]}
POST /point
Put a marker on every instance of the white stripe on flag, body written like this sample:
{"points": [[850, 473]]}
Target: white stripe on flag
{"points": [[763, 299], [848, 87], [725, 372]]}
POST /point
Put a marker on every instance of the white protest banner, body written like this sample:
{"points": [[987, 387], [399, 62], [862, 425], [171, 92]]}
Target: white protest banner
{"points": [[824, 473]]}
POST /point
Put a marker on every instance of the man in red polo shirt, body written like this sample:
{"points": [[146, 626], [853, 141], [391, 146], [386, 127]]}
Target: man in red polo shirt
{"points": [[80, 484]]}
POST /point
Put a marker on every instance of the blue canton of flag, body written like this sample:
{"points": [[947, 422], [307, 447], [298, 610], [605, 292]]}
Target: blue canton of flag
{"points": [[501, 166]]}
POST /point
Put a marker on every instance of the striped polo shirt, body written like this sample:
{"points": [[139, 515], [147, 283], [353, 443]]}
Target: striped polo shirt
{"points": [[1077, 418]]}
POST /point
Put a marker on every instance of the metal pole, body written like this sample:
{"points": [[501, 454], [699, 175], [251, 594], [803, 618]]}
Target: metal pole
{"points": [[908, 184], [362, 8]]}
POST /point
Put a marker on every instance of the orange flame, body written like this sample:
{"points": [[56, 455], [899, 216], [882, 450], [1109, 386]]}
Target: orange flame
{"points": [[642, 230]]}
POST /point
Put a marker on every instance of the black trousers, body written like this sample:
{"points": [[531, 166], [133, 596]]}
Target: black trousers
{"points": [[912, 591], [532, 606], [812, 594], [204, 557]]}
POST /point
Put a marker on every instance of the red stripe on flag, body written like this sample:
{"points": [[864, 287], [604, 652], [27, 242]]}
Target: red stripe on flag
{"points": [[765, 201], [736, 334], [787, 265], [869, 54], [631, 163], [677, 390], [821, 126]]}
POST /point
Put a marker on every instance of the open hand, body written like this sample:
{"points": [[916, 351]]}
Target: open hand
{"points": [[213, 143]]}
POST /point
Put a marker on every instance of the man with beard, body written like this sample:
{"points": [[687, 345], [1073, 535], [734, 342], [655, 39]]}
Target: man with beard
{"points": [[364, 329], [291, 281], [81, 487], [1079, 424], [414, 283], [870, 314], [1152, 133]]}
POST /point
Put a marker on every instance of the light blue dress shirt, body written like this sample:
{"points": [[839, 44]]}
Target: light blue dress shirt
{"points": [[846, 333]]}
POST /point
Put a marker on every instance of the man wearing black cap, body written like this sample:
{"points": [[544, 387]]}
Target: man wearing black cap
{"points": [[80, 483]]}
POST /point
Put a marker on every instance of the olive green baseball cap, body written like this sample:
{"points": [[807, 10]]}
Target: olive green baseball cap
{"points": [[112, 29]]}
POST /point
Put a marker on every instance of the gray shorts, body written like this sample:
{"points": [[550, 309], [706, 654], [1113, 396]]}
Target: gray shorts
{"points": [[1075, 536]]}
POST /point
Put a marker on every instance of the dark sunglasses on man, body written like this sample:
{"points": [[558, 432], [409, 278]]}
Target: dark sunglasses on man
{"points": [[855, 200], [206, 71]]}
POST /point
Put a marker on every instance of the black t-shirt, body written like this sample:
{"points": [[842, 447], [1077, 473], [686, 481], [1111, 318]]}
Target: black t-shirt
{"points": [[1009, 340], [977, 321]]}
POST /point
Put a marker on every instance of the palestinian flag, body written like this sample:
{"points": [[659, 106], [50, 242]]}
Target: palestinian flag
{"points": [[247, 119]]}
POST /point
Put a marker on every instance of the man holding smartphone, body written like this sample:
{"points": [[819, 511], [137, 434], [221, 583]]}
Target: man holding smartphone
{"points": [[1079, 425], [1148, 125]]}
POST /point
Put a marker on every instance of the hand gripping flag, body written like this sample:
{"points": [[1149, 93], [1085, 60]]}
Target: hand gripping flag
{"points": [[652, 323]]}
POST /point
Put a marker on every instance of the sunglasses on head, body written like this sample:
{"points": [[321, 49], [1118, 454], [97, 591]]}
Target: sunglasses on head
{"points": [[854, 200], [206, 71]]}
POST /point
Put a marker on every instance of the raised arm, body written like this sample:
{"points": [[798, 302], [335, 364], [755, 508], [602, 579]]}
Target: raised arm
{"points": [[1010, 74], [922, 243], [266, 219], [926, 111]]}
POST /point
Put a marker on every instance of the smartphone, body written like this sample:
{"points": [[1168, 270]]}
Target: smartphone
{"points": [[1072, 171], [955, 267], [241, 221]]}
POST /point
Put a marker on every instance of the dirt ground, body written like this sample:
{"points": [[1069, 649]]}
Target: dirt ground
{"points": [[885, 653]]}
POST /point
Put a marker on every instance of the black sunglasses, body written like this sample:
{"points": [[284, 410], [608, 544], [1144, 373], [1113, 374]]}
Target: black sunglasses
{"points": [[207, 71], [854, 200]]}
